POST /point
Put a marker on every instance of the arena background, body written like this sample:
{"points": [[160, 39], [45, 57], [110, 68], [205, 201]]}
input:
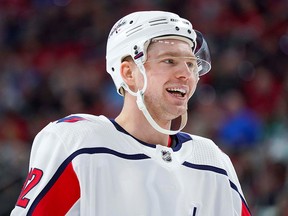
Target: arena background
{"points": [[52, 63]]}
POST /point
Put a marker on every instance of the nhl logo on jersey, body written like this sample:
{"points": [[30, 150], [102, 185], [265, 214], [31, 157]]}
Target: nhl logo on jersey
{"points": [[166, 156]]}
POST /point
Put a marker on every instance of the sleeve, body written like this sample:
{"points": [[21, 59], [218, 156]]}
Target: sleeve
{"points": [[51, 187], [240, 205]]}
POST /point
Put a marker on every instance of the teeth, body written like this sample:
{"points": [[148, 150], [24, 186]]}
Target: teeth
{"points": [[182, 91]]}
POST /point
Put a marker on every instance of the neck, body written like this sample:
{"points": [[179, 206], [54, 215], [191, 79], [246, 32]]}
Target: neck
{"points": [[135, 123]]}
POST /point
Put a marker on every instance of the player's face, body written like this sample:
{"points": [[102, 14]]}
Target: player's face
{"points": [[172, 76]]}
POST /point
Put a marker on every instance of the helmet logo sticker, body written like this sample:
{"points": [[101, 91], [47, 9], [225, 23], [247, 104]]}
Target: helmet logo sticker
{"points": [[138, 55], [117, 27]]}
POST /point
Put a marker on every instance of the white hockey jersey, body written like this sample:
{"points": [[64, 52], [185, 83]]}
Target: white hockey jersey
{"points": [[89, 165]]}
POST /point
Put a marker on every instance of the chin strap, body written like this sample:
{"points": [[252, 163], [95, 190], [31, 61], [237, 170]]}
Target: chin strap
{"points": [[142, 107]]}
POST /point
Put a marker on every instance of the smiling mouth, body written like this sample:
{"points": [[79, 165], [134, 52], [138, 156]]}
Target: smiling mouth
{"points": [[177, 92]]}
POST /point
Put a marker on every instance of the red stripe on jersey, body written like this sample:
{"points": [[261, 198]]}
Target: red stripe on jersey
{"points": [[62, 195], [245, 211], [169, 141]]}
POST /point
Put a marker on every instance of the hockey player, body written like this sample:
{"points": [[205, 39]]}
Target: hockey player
{"points": [[135, 164]]}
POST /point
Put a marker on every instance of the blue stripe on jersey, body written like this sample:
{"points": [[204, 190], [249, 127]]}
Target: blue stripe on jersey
{"points": [[62, 167], [205, 167], [103, 150], [242, 198]]}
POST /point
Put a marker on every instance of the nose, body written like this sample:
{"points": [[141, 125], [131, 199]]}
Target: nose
{"points": [[187, 70]]}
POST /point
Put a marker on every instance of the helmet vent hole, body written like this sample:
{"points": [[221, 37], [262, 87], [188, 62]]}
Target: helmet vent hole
{"points": [[158, 22], [131, 22], [177, 28], [113, 69], [189, 31]]}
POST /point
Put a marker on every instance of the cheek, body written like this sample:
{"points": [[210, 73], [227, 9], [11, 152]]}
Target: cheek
{"points": [[194, 83], [139, 80], [154, 87]]}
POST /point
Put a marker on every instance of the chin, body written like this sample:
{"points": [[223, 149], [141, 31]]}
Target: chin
{"points": [[179, 112], [181, 109]]}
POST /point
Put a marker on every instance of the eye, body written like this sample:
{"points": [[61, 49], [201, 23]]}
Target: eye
{"points": [[190, 64], [169, 61]]}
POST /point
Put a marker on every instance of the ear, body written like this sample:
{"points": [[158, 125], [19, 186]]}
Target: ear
{"points": [[127, 72]]}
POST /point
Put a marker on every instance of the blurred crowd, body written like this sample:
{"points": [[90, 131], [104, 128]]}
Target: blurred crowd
{"points": [[52, 64]]}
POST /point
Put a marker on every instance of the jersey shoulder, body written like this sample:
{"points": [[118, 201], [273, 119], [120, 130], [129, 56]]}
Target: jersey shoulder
{"points": [[79, 130], [77, 123], [206, 152]]}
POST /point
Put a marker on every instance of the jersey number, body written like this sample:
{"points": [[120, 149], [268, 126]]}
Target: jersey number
{"points": [[32, 180]]}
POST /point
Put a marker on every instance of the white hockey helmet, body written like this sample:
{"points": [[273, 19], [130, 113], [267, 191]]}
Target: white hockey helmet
{"points": [[131, 35]]}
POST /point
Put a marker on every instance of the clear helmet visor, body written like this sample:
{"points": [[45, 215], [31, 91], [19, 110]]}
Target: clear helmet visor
{"points": [[200, 50], [202, 54]]}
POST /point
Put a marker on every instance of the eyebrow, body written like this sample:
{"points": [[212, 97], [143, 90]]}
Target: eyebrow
{"points": [[174, 54]]}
